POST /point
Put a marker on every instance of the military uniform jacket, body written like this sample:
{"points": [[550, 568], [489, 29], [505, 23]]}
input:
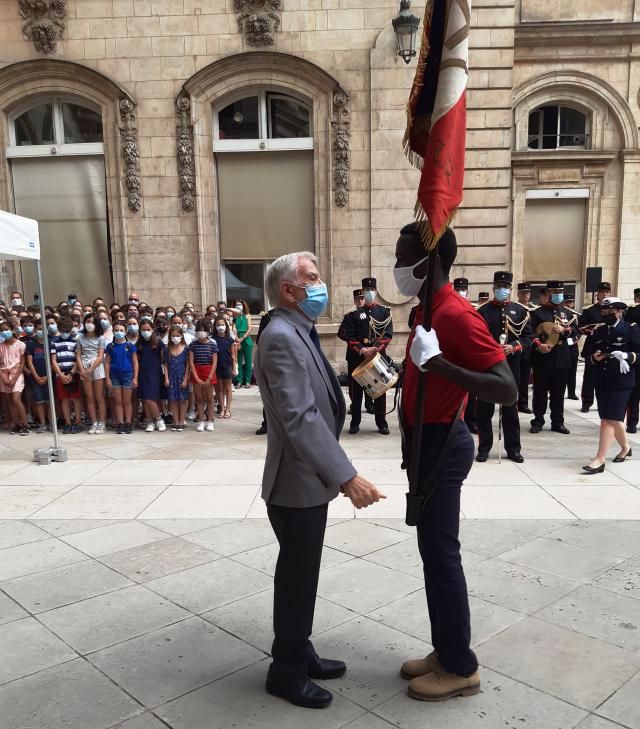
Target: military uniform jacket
{"points": [[512, 319], [559, 358], [623, 337], [367, 326], [632, 316], [590, 316]]}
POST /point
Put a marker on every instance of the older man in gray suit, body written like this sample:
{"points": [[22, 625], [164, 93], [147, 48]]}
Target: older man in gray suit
{"points": [[305, 469]]}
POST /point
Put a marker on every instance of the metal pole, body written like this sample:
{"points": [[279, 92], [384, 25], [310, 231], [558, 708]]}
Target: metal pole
{"points": [[47, 359]]}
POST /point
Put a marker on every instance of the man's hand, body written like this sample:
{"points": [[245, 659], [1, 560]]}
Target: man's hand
{"points": [[557, 328], [507, 349], [425, 345], [598, 356], [544, 348], [620, 356], [361, 492], [368, 352]]}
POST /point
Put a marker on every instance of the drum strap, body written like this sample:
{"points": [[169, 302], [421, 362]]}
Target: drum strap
{"points": [[417, 500]]}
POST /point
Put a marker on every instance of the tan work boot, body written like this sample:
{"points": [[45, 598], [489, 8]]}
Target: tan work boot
{"points": [[438, 685], [419, 666]]}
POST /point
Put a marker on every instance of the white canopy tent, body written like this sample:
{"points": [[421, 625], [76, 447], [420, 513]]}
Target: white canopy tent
{"points": [[20, 241]]}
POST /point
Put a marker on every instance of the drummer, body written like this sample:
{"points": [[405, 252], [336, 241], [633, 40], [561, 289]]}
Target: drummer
{"points": [[617, 345], [368, 330], [555, 329]]}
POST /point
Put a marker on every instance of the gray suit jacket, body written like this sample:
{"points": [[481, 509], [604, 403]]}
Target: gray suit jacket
{"points": [[305, 465]]}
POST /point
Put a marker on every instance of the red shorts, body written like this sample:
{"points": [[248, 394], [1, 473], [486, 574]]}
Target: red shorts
{"points": [[65, 394], [203, 373]]}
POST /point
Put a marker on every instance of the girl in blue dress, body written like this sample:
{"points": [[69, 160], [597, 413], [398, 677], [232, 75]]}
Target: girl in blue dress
{"points": [[150, 355], [225, 365], [176, 377]]}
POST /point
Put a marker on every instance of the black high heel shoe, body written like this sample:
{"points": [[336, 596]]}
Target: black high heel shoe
{"points": [[591, 470], [622, 459]]}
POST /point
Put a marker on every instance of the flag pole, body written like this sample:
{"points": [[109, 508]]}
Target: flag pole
{"points": [[415, 499]]}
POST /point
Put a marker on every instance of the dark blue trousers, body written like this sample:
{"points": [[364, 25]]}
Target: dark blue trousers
{"points": [[438, 531]]}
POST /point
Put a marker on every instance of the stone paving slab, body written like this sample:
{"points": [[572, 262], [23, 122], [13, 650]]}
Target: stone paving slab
{"points": [[190, 648]]}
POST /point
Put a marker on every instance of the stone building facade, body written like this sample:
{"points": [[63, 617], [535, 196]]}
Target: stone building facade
{"points": [[118, 129]]}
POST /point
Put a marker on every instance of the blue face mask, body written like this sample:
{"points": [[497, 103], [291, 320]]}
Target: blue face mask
{"points": [[52, 328], [118, 335], [132, 328], [557, 298], [501, 294], [28, 330], [64, 335], [316, 302], [6, 335]]}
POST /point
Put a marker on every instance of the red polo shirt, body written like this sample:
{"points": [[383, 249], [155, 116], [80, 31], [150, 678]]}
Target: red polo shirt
{"points": [[465, 341]]}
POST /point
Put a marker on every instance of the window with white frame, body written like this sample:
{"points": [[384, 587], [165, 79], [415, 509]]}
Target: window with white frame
{"points": [[66, 125], [264, 147], [558, 127]]}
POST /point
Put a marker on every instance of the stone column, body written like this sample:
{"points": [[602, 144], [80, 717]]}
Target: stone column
{"points": [[629, 258]]}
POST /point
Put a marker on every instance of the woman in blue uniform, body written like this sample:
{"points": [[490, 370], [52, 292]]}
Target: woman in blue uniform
{"points": [[616, 347]]}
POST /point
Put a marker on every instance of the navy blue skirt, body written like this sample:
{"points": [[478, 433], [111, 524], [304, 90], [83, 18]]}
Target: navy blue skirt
{"points": [[612, 404]]}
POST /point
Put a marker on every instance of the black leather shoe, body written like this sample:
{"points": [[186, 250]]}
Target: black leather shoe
{"points": [[482, 457], [308, 695], [622, 459], [515, 457], [584, 409], [325, 668], [572, 397], [631, 429], [560, 429], [354, 429], [590, 470], [527, 411], [383, 430], [261, 430], [535, 428]]}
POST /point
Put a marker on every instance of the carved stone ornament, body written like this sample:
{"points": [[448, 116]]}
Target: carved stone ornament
{"points": [[341, 149], [186, 169], [259, 20], [130, 154], [43, 23]]}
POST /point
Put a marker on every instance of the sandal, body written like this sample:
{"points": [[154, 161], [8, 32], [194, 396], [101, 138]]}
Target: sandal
{"points": [[227, 414]]}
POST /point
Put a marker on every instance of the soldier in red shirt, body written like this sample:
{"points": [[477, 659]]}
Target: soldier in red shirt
{"points": [[461, 358]]}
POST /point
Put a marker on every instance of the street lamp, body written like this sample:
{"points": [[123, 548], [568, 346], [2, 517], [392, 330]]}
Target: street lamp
{"points": [[406, 29]]}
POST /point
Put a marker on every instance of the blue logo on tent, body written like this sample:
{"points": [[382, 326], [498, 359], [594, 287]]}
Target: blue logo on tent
{"points": [[32, 244]]}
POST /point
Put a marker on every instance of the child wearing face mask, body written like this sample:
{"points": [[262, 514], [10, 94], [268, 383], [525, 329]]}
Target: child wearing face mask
{"points": [[225, 366], [121, 369], [150, 357], [90, 361], [104, 322], [37, 366], [63, 360], [176, 377], [203, 360], [12, 359]]}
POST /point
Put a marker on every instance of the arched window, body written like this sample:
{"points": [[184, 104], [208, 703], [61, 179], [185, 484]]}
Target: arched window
{"points": [[558, 127], [56, 121], [56, 157], [264, 144]]}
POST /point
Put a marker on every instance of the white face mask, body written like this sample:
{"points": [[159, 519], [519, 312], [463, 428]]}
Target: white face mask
{"points": [[407, 283], [202, 335], [464, 294], [176, 340], [89, 327], [221, 330]]}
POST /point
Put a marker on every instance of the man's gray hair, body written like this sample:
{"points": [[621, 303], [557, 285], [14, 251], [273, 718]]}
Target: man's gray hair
{"points": [[283, 269]]}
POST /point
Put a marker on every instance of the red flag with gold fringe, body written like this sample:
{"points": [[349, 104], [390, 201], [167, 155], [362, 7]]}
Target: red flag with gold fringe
{"points": [[436, 115]]}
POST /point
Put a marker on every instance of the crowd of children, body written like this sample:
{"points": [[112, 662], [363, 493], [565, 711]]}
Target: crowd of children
{"points": [[123, 366]]}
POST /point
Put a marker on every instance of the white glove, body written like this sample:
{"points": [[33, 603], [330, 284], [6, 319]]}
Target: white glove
{"points": [[624, 367], [425, 345], [620, 356]]}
